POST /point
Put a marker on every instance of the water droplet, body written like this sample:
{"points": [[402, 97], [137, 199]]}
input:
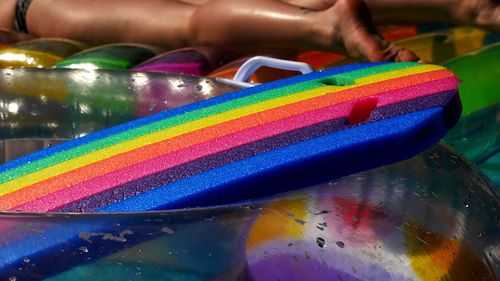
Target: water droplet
{"points": [[322, 212], [167, 230], [83, 249], [302, 222], [340, 244], [26, 260], [466, 204], [13, 278], [320, 242]]}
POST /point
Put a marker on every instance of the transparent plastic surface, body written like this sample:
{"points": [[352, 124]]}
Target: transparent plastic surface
{"points": [[192, 61], [477, 135], [55, 46], [479, 72], [66, 103], [43, 52], [112, 56], [433, 217], [11, 149]]}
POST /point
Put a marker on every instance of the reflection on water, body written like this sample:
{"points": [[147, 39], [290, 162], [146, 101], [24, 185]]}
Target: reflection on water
{"points": [[433, 217]]}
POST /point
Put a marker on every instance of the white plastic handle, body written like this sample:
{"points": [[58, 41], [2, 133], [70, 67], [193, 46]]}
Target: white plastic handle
{"points": [[250, 66]]}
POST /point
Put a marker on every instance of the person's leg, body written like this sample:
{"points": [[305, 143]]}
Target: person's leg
{"points": [[154, 22], [229, 24], [345, 26], [317, 5], [7, 14]]}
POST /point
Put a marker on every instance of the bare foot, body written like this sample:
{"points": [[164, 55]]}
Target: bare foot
{"points": [[482, 13], [352, 25]]}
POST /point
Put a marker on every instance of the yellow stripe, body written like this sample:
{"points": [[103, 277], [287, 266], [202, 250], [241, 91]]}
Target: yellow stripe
{"points": [[195, 125]]}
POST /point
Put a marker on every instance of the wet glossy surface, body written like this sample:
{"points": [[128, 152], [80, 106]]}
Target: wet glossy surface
{"points": [[192, 61], [477, 137], [11, 149], [38, 53], [65, 103], [114, 56], [439, 46], [480, 72], [261, 75], [433, 217]]}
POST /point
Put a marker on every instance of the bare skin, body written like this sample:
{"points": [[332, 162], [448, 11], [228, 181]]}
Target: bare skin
{"points": [[7, 8], [243, 25], [331, 25]]}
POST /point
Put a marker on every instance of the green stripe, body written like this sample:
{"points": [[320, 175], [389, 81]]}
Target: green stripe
{"points": [[188, 117]]}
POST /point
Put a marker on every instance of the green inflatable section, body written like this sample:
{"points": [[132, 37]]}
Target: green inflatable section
{"points": [[115, 56], [480, 73], [477, 135]]}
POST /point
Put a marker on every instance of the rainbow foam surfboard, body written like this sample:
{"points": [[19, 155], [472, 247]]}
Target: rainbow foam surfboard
{"points": [[253, 142]]}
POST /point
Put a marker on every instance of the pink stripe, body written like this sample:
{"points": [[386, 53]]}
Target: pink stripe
{"points": [[164, 162]]}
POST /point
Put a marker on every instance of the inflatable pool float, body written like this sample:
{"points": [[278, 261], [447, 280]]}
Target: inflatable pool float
{"points": [[113, 56], [407, 221], [439, 46], [382, 110], [478, 91], [67, 103], [477, 135], [263, 74], [192, 61], [43, 52], [11, 149], [390, 223]]}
